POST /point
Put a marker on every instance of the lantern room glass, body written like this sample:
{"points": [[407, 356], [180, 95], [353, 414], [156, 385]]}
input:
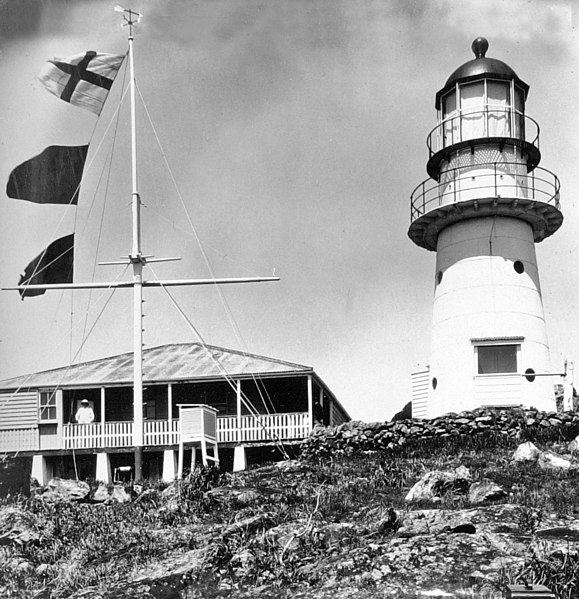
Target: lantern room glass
{"points": [[485, 108]]}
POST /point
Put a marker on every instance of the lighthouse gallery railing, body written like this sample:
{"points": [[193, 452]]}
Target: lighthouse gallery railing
{"points": [[486, 180]]}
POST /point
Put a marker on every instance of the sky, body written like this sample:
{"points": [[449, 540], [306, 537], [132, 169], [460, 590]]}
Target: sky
{"points": [[290, 134]]}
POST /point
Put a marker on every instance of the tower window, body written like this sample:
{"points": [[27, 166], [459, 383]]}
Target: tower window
{"points": [[495, 359], [519, 267]]}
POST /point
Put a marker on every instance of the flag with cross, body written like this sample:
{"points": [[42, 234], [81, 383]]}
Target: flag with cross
{"points": [[54, 176], [84, 80]]}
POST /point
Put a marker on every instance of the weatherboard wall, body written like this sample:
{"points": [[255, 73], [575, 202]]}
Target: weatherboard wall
{"points": [[19, 421], [19, 409]]}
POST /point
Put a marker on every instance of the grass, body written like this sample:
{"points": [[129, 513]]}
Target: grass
{"points": [[82, 545]]}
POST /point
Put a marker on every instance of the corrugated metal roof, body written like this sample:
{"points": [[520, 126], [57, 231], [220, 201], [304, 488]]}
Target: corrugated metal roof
{"points": [[174, 362], [497, 339]]}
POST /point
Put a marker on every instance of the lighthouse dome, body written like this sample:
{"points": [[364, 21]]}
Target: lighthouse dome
{"points": [[481, 67]]}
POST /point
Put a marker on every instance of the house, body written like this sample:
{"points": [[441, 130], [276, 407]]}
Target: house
{"points": [[259, 401]]}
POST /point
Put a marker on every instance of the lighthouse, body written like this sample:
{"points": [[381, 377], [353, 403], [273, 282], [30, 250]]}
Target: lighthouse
{"points": [[485, 205]]}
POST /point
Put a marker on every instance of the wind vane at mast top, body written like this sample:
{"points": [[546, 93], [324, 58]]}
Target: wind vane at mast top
{"points": [[130, 16]]}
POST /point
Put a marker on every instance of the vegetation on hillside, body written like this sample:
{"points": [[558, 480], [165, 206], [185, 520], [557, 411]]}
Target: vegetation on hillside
{"points": [[266, 531]]}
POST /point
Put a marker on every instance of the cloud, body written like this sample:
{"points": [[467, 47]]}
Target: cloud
{"points": [[12, 25], [523, 20]]}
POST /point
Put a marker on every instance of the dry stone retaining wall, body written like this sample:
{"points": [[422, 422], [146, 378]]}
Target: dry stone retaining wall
{"points": [[514, 424]]}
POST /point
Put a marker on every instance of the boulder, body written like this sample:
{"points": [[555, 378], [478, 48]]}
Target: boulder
{"points": [[434, 485], [526, 452], [435, 522], [287, 535], [120, 495], [101, 494], [573, 446], [549, 460], [485, 490], [61, 489]]}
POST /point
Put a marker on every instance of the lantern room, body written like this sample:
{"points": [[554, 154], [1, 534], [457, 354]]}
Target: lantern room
{"points": [[482, 100], [483, 155]]}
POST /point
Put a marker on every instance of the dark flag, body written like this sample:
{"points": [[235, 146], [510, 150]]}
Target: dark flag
{"points": [[52, 177], [53, 265], [83, 79]]}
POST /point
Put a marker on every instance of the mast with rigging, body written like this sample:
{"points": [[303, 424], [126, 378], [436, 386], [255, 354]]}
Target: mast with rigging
{"points": [[138, 262]]}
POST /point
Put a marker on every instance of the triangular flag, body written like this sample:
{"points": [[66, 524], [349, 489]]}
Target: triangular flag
{"points": [[53, 265], [83, 79]]}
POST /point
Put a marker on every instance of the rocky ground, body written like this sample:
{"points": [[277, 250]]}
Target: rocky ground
{"points": [[465, 519], [473, 550]]}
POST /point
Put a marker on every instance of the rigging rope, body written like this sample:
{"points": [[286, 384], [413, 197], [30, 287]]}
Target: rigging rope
{"points": [[69, 366], [222, 297], [230, 381]]}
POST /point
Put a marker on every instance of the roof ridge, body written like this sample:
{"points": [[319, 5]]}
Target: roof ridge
{"points": [[66, 371], [246, 354], [238, 352]]}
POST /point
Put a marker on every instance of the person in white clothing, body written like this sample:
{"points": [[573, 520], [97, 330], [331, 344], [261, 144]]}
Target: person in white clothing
{"points": [[84, 414]]}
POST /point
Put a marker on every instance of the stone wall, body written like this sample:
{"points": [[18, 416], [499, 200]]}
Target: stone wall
{"points": [[516, 424]]}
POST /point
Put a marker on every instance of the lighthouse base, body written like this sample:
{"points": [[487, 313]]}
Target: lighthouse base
{"points": [[489, 341]]}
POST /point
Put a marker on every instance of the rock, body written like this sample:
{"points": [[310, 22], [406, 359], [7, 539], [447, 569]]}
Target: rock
{"points": [[434, 485], [60, 489], [485, 490], [43, 570], [286, 536], [435, 522], [249, 525], [526, 452], [101, 494], [16, 527], [242, 562], [573, 446], [150, 496], [334, 533], [551, 460], [414, 528], [120, 495], [172, 491]]}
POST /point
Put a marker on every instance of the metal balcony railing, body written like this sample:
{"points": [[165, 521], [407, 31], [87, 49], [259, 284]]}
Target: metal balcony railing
{"points": [[480, 124], [486, 180]]}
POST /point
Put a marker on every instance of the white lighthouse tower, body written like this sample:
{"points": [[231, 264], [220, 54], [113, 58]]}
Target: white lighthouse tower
{"points": [[486, 204]]}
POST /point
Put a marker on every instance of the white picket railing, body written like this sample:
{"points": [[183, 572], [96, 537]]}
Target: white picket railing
{"points": [[230, 429], [91, 436], [161, 432], [265, 427]]}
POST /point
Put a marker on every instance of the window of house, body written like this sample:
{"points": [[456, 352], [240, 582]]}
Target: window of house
{"points": [[47, 406]]}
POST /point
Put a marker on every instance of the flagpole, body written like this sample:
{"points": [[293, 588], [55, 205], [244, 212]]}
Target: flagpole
{"points": [[137, 261]]}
